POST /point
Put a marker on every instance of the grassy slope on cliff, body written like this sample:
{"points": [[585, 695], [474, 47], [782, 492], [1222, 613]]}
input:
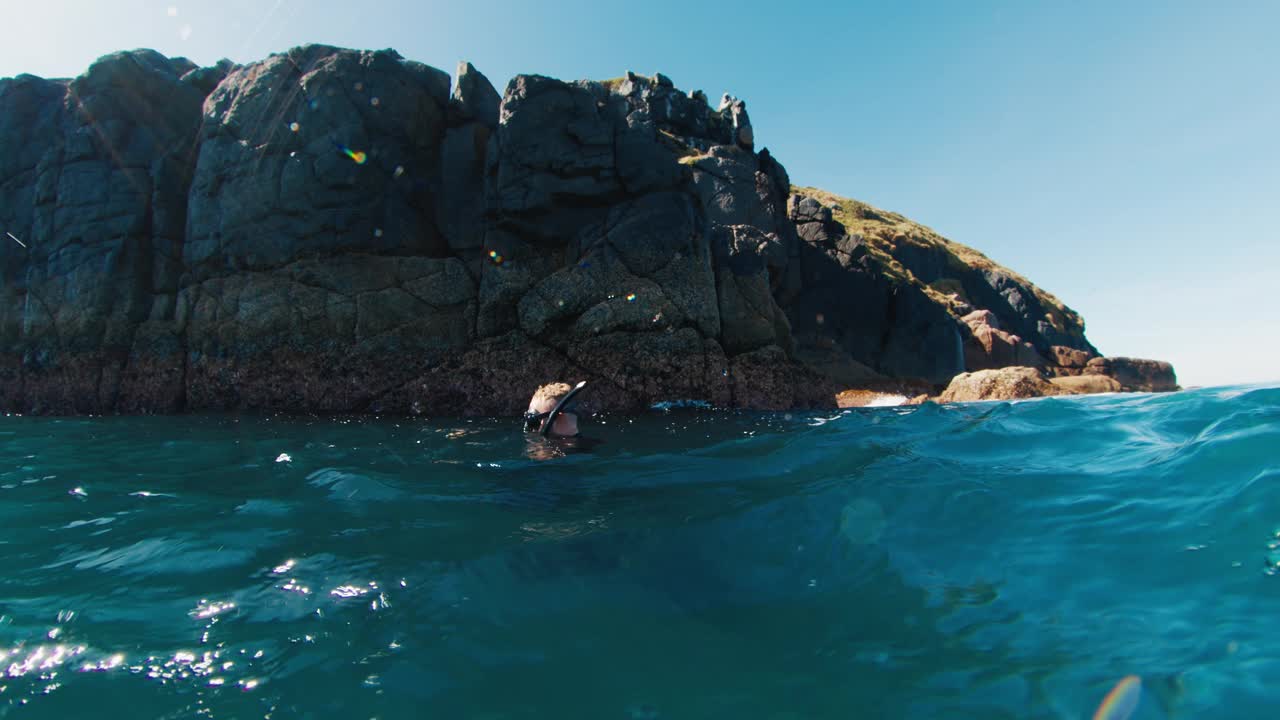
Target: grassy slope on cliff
{"points": [[884, 232]]}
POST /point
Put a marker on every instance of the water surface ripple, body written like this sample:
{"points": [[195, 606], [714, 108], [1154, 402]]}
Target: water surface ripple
{"points": [[992, 560]]}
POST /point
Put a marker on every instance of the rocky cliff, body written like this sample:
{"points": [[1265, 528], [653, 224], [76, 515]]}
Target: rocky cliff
{"points": [[341, 231]]}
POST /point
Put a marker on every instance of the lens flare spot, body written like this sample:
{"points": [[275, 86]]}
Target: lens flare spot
{"points": [[375, 102], [399, 171], [357, 156], [294, 127], [377, 232], [1120, 703], [495, 257], [631, 297], [359, 87]]}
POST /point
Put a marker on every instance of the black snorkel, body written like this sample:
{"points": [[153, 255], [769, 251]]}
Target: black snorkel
{"points": [[544, 428]]}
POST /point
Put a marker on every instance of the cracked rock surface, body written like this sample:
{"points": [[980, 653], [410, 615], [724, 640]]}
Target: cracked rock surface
{"points": [[332, 230]]}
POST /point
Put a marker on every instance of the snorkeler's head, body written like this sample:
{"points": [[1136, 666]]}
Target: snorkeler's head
{"points": [[549, 410]]}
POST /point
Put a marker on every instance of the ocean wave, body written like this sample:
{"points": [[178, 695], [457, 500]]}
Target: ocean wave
{"points": [[993, 559]]}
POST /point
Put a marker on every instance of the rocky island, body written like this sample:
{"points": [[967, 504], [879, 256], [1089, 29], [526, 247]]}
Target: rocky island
{"points": [[336, 231]]}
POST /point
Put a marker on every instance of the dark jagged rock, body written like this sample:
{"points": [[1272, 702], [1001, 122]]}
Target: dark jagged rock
{"points": [[474, 96], [839, 298], [318, 275], [335, 230], [205, 79], [317, 152], [1001, 319], [96, 182]]}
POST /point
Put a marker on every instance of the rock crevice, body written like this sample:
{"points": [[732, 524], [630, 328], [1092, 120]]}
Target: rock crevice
{"points": [[332, 230]]}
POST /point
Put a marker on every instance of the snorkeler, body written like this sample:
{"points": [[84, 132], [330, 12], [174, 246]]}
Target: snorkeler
{"points": [[551, 423], [550, 413]]}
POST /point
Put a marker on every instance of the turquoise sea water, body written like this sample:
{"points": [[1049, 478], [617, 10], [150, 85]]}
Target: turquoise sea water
{"points": [[983, 561]]}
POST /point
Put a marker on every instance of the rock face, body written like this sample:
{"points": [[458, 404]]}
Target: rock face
{"points": [[1135, 375], [1085, 384], [317, 272], [95, 178], [1065, 361], [844, 309], [342, 231], [990, 347], [949, 306]]}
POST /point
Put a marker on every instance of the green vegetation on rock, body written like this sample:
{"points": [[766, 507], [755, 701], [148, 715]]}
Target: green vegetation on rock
{"points": [[612, 84], [885, 233]]}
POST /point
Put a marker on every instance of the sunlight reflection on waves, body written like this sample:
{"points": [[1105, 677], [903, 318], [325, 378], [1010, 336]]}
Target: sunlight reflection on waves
{"points": [[1008, 559]]}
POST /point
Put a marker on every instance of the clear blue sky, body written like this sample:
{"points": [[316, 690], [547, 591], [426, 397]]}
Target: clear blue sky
{"points": [[1124, 156]]}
